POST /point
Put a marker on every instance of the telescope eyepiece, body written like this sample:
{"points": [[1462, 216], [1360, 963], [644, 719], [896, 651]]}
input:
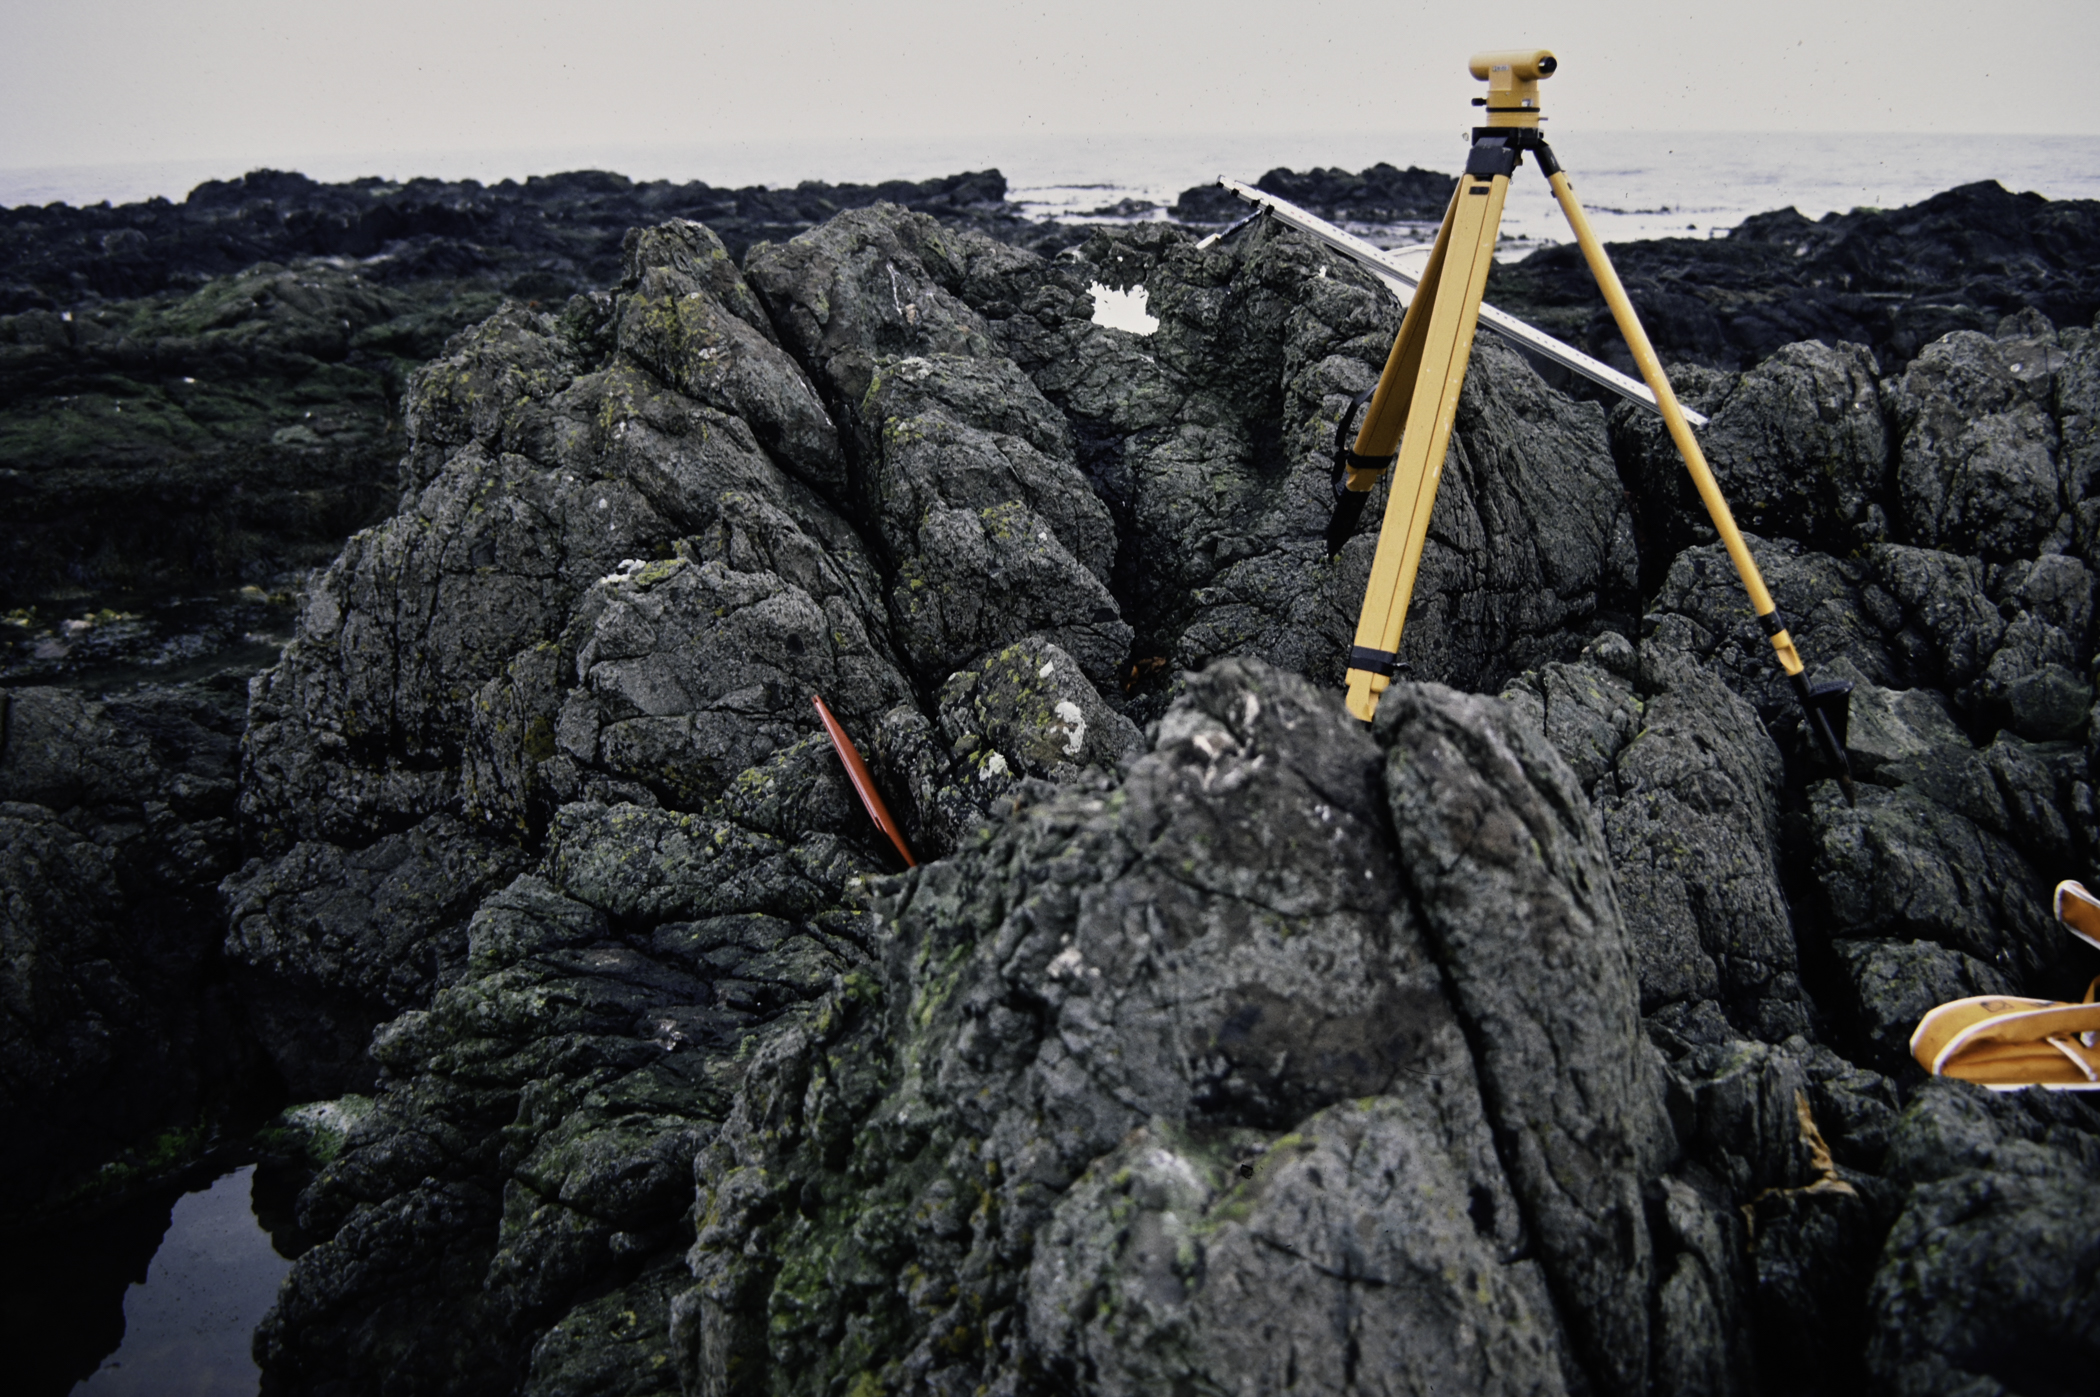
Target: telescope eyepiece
{"points": [[1513, 65]]}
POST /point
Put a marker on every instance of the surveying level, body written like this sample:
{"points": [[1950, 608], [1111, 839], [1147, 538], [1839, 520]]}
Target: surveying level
{"points": [[1407, 427]]}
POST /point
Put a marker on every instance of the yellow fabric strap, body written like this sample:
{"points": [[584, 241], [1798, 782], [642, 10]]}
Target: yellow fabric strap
{"points": [[2000, 1040]]}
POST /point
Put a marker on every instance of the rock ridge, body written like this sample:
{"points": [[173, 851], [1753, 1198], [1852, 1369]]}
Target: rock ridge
{"points": [[1547, 1036]]}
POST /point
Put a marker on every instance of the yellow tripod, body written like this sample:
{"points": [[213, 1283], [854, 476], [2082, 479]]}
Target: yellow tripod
{"points": [[1408, 425]]}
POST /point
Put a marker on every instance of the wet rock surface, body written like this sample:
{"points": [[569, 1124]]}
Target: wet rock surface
{"points": [[216, 434], [1549, 1035]]}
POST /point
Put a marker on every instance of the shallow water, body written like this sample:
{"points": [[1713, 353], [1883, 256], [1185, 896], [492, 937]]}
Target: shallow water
{"points": [[114, 640], [187, 1324]]}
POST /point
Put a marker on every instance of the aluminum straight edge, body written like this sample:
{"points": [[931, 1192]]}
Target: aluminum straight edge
{"points": [[1403, 282]]}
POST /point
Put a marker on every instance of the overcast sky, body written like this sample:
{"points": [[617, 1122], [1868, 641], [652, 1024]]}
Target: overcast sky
{"points": [[103, 81]]}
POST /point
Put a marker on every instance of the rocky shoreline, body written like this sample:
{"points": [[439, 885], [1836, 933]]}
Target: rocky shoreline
{"points": [[202, 400], [1547, 1036]]}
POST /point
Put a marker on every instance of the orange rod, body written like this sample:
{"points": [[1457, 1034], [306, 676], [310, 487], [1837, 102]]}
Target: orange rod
{"points": [[857, 773]]}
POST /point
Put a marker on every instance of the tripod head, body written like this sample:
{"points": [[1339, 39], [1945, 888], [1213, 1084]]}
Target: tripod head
{"points": [[1513, 77]]}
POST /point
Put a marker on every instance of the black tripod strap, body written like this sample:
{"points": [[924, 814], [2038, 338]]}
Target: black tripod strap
{"points": [[1345, 457]]}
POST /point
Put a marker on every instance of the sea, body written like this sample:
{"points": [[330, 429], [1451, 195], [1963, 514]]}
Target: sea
{"points": [[1636, 184]]}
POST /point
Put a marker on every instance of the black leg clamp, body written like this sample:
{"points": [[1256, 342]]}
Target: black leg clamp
{"points": [[1345, 457], [1349, 504], [1827, 710]]}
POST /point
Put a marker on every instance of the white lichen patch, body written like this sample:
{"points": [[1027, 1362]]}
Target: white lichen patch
{"points": [[1074, 723], [1167, 1167], [1122, 310], [324, 1127]]}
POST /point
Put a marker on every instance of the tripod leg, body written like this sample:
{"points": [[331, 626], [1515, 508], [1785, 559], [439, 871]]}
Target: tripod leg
{"points": [[1816, 705], [1379, 436], [1396, 386], [1446, 344]]}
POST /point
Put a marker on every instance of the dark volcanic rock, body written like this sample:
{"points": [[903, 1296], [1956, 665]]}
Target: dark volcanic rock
{"points": [[1801, 1136], [983, 517], [539, 1119], [1831, 606], [1209, 440], [1798, 445], [1550, 1043], [619, 571], [564, 228], [200, 437], [1980, 448], [1901, 864], [551, 667], [1982, 1284], [1130, 1077], [1380, 194], [206, 394], [1505, 860], [1687, 786], [1892, 279], [1899, 982], [116, 819], [343, 940]]}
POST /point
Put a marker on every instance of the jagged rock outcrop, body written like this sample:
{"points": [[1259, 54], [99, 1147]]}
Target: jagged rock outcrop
{"points": [[332, 942], [1798, 445], [630, 546], [1688, 788], [1178, 1068], [554, 659], [1221, 513], [982, 515], [1549, 1042], [1984, 1268], [206, 394], [1980, 449], [539, 1118], [1379, 194], [1893, 280], [947, 1145]]}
